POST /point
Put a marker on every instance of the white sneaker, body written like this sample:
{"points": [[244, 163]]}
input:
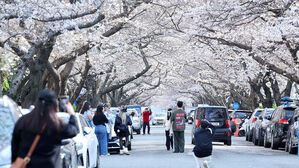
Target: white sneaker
{"points": [[126, 151], [205, 164], [121, 152]]}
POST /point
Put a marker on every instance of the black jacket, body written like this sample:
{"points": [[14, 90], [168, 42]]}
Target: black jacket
{"points": [[47, 151], [118, 124], [203, 142], [100, 119]]}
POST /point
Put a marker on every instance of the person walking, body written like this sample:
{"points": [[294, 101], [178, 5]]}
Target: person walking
{"points": [[122, 121], [99, 121], [168, 130], [178, 119], [146, 114], [87, 113], [203, 144], [42, 122], [296, 126]]}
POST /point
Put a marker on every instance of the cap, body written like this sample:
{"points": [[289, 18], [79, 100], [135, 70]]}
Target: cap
{"points": [[48, 96]]}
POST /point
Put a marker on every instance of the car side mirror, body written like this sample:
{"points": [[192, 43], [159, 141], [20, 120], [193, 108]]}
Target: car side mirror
{"points": [[87, 130], [268, 118], [261, 118], [65, 141]]}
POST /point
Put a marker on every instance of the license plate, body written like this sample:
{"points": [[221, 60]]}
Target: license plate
{"points": [[215, 123]]}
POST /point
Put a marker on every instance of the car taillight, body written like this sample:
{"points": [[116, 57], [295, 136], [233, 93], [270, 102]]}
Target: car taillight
{"points": [[228, 133], [282, 121], [254, 120], [197, 122], [227, 123]]}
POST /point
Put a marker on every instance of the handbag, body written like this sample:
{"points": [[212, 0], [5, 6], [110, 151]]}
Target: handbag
{"points": [[20, 162]]}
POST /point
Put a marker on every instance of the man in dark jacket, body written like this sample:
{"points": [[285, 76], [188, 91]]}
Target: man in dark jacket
{"points": [[203, 143]]}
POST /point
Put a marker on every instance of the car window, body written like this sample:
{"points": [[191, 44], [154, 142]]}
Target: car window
{"points": [[258, 113], [7, 123], [160, 115], [288, 113], [241, 114], [213, 114], [83, 122], [268, 113]]}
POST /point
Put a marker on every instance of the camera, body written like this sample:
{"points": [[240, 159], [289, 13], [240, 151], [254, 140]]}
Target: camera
{"points": [[62, 102]]}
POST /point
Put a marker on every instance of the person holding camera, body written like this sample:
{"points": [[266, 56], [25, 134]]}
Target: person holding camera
{"points": [[100, 121], [122, 121], [46, 130], [203, 144], [168, 130]]}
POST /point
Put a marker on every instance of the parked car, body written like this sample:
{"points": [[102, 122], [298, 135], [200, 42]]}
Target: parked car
{"points": [[68, 153], [260, 126], [218, 117], [291, 145], [136, 120], [9, 114], [87, 146], [241, 114], [251, 123], [158, 118], [190, 117], [276, 131]]}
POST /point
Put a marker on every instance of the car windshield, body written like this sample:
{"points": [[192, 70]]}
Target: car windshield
{"points": [[213, 114], [160, 115], [288, 113], [241, 114], [268, 113]]}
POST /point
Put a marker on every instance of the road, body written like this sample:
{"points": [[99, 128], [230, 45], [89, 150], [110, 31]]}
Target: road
{"points": [[149, 151]]}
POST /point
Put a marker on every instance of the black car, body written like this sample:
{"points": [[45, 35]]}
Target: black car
{"points": [[276, 131], [291, 145], [218, 117], [260, 125]]}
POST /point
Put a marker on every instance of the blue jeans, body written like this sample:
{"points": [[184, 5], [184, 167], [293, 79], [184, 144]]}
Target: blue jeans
{"points": [[101, 134], [298, 141], [90, 123]]}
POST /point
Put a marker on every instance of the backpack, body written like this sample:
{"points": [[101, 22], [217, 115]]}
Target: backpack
{"points": [[179, 120]]}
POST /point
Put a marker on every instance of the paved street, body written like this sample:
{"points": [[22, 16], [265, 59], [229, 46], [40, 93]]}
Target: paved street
{"points": [[149, 152]]}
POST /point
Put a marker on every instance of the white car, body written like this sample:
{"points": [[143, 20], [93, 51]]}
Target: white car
{"points": [[158, 118], [136, 120], [86, 142]]}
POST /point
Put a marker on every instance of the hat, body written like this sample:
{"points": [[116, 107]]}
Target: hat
{"points": [[204, 123], [47, 96]]}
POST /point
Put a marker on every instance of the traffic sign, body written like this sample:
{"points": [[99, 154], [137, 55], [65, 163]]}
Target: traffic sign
{"points": [[236, 106]]}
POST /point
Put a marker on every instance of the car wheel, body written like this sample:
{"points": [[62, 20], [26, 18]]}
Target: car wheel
{"points": [[228, 142], [291, 149], [129, 146], [260, 139], [138, 131], [266, 143], [246, 135], [254, 140], [273, 144], [250, 136]]}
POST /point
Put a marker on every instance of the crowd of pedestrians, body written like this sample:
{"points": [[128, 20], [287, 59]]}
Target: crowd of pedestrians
{"points": [[41, 132]]}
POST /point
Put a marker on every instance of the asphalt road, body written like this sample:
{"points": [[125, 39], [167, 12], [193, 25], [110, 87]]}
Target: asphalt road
{"points": [[149, 151]]}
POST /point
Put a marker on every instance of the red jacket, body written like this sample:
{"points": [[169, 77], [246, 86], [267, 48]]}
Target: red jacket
{"points": [[146, 115]]}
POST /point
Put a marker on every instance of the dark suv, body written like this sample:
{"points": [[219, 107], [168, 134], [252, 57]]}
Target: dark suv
{"points": [[291, 145], [218, 117], [276, 131]]}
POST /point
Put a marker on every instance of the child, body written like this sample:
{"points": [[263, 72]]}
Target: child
{"points": [[203, 144]]}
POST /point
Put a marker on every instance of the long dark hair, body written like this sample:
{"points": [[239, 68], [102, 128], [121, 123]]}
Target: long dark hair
{"points": [[85, 107], [43, 113], [169, 113], [99, 111]]}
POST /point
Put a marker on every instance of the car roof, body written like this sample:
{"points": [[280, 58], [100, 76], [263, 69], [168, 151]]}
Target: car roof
{"points": [[207, 106]]}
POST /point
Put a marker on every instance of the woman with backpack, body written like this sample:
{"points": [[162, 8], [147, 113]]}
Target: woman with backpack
{"points": [[168, 130], [100, 121], [122, 121]]}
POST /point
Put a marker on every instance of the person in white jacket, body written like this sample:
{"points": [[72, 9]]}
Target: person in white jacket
{"points": [[296, 126], [168, 130]]}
